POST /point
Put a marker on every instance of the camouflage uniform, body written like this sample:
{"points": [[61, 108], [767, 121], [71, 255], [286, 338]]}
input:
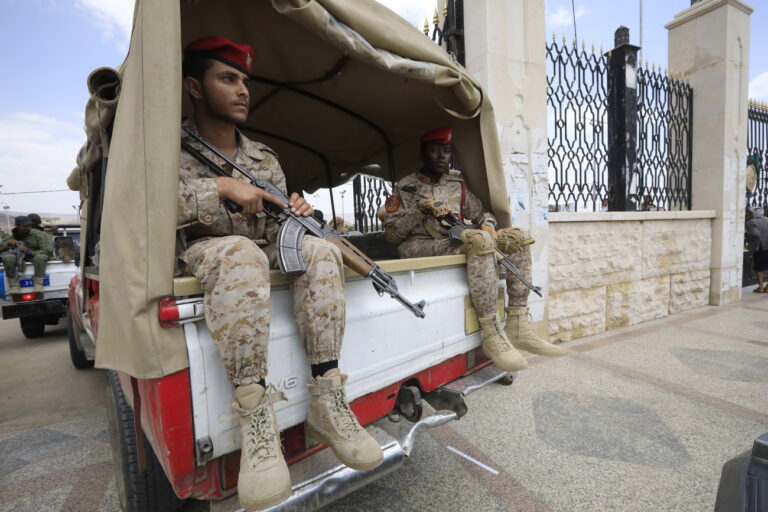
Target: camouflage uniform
{"points": [[426, 236], [40, 250], [231, 255]]}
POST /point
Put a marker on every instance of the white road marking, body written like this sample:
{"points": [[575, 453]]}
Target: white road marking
{"points": [[462, 454]]}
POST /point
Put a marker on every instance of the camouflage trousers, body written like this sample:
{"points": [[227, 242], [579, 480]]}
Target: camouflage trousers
{"points": [[482, 272], [39, 262], [234, 274]]}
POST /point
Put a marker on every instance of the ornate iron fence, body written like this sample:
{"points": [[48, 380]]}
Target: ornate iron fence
{"points": [[664, 116], [619, 133], [369, 195], [577, 122], [757, 151]]}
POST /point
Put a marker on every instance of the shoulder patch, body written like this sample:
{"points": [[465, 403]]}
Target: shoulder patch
{"points": [[392, 204]]}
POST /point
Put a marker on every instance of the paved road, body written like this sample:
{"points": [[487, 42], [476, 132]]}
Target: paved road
{"points": [[636, 419]]}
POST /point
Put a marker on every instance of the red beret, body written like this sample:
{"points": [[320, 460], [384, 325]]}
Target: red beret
{"points": [[442, 135], [239, 56]]}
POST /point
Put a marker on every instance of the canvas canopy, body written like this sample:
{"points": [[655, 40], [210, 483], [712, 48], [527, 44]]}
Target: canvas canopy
{"points": [[337, 84]]}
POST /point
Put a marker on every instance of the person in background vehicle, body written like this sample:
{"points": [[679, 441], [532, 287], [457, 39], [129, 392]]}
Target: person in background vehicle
{"points": [[36, 247], [231, 254], [414, 223], [757, 239]]}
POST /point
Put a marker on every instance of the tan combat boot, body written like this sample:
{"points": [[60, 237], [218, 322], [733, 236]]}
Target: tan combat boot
{"points": [[498, 348], [331, 421], [264, 479], [13, 286], [38, 286], [521, 335]]}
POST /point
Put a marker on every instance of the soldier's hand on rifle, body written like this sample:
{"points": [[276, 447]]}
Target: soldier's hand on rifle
{"points": [[300, 206], [491, 230], [246, 195], [435, 208], [13, 242], [22, 248]]}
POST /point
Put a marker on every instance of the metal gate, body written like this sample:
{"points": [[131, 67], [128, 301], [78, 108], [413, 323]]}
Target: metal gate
{"points": [[757, 174]]}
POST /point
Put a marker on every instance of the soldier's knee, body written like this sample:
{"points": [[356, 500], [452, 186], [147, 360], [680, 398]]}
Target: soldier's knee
{"points": [[323, 249], [511, 240], [477, 242], [9, 260], [39, 258]]}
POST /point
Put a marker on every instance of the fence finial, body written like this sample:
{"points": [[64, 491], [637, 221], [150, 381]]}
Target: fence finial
{"points": [[435, 19], [445, 9], [554, 36], [593, 47], [564, 39], [426, 27]]}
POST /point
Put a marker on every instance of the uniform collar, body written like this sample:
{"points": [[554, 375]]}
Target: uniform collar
{"points": [[244, 144]]}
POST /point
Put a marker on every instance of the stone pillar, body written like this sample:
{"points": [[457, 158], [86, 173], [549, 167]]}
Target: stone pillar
{"points": [[709, 42], [505, 51]]}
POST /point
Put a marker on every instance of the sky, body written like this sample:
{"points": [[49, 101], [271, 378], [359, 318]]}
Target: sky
{"points": [[43, 91]]}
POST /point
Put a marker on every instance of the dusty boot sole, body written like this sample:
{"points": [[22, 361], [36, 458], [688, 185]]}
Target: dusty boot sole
{"points": [[267, 502], [546, 352], [511, 367], [315, 436]]}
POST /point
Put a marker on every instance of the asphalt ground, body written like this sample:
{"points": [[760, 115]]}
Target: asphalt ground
{"points": [[636, 419]]}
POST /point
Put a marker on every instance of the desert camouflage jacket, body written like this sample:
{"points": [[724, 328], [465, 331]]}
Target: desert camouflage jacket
{"points": [[408, 221], [202, 213]]}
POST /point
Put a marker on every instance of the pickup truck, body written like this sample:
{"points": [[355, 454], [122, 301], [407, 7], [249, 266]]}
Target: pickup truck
{"points": [[337, 87], [36, 310]]}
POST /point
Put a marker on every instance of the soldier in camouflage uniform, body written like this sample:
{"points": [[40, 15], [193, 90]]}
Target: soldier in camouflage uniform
{"points": [[37, 248], [231, 254], [414, 223]]}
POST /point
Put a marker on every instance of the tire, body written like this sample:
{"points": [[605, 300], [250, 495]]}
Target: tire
{"points": [[78, 357], [32, 326], [147, 491]]}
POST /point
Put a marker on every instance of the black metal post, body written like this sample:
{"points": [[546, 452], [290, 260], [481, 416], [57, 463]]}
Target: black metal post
{"points": [[622, 123]]}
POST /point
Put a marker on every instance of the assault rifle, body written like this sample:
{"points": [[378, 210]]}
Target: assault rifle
{"points": [[294, 227], [454, 235]]}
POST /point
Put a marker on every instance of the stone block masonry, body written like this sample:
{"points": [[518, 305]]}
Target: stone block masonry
{"points": [[615, 269]]}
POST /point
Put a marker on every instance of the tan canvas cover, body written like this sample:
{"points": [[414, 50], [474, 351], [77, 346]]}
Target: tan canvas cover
{"points": [[376, 81]]}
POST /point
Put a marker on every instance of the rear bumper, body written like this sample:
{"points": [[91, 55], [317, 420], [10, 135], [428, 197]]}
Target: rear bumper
{"points": [[321, 479], [34, 308]]}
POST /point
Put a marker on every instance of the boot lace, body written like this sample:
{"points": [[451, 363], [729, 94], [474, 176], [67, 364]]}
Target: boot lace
{"points": [[346, 419], [260, 435]]}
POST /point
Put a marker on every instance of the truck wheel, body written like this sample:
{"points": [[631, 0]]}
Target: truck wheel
{"points": [[79, 360], [147, 491], [32, 326]]}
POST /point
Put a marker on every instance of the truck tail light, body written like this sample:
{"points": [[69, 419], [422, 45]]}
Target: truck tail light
{"points": [[173, 313], [168, 312], [30, 296]]}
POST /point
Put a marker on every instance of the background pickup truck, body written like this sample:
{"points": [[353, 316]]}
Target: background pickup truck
{"points": [[35, 310]]}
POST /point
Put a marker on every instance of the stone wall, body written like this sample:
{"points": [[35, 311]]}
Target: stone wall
{"points": [[613, 269]]}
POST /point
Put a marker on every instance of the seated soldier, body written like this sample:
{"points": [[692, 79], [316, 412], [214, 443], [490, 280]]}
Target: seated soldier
{"points": [[414, 223], [26, 244], [231, 254]]}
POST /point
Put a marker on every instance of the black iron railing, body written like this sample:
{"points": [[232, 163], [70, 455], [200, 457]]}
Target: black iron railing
{"points": [[577, 112], [451, 34], [664, 157], [757, 154], [369, 193], [619, 134]]}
